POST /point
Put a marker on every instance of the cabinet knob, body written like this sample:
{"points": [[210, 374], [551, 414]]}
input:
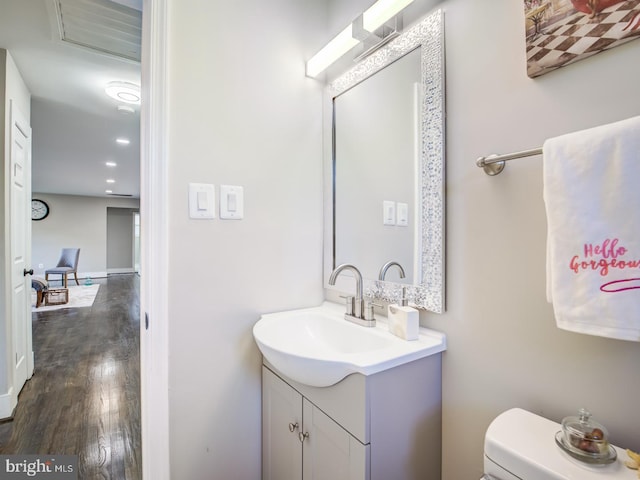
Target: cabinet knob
{"points": [[302, 436], [293, 427]]}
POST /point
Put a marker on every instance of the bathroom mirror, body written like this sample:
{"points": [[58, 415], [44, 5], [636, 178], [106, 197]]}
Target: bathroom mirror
{"points": [[387, 167]]}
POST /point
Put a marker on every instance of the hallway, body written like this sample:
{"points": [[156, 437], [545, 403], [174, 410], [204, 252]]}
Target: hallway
{"points": [[84, 397]]}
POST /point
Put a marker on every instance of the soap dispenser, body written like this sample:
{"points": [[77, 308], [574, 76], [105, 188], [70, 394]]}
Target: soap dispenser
{"points": [[404, 321]]}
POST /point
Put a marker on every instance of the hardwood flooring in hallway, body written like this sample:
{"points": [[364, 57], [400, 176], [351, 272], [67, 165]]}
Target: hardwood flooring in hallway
{"points": [[84, 397]]}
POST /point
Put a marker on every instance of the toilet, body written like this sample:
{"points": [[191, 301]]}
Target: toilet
{"points": [[520, 445]]}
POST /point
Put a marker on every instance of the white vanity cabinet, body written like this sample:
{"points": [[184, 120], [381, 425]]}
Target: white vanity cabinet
{"points": [[302, 442], [377, 427]]}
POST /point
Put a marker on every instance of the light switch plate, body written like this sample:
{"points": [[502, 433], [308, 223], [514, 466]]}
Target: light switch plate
{"points": [[388, 212], [202, 201], [231, 202], [402, 214]]}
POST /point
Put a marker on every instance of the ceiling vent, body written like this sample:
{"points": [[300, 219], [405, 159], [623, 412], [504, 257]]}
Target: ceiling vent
{"points": [[120, 194], [101, 25]]}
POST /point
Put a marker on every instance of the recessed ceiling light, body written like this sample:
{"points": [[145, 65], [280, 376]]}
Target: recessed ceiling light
{"points": [[110, 164], [123, 92], [123, 141], [126, 109], [111, 180]]}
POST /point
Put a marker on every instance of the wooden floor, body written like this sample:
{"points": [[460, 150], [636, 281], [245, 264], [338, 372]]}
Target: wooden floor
{"points": [[84, 397]]}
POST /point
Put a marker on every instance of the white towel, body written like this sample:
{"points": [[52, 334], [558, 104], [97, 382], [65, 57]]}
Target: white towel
{"points": [[592, 199]]}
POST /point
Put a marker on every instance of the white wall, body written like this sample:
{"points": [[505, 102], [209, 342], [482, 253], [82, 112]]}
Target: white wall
{"points": [[504, 347], [74, 222], [241, 112]]}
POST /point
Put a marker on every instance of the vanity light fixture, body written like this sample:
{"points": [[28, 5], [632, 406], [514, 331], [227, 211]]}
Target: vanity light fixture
{"points": [[381, 11], [332, 51], [123, 141], [372, 18], [123, 92]]}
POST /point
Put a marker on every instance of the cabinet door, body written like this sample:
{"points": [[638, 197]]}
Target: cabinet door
{"points": [[329, 451], [281, 422]]}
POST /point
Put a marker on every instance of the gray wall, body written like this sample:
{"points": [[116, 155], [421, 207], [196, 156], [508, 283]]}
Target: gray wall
{"points": [[120, 239], [504, 347], [75, 221]]}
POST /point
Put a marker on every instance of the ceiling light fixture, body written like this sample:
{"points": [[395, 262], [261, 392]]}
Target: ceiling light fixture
{"points": [[125, 109], [123, 92], [110, 164], [110, 180], [108, 191], [372, 18], [123, 141]]}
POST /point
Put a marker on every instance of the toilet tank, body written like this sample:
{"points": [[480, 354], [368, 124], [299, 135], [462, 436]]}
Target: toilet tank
{"points": [[521, 445]]}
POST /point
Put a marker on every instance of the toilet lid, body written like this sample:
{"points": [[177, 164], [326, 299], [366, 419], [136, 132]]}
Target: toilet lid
{"points": [[523, 444]]}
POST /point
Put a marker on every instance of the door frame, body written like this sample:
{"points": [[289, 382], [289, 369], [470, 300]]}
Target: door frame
{"points": [[154, 264]]}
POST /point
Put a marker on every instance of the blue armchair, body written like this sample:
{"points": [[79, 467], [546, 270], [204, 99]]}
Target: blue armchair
{"points": [[67, 264]]}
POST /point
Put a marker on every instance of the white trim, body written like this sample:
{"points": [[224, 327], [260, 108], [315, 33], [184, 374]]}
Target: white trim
{"points": [[120, 270], [154, 343], [8, 402]]}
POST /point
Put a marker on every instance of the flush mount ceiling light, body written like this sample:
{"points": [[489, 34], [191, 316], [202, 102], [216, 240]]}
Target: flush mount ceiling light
{"points": [[123, 141], [108, 191], [374, 17], [125, 109], [110, 164], [110, 180], [123, 92]]}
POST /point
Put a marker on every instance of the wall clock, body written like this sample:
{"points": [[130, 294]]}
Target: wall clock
{"points": [[39, 209]]}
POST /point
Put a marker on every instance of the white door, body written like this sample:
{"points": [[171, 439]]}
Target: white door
{"points": [[20, 222]]}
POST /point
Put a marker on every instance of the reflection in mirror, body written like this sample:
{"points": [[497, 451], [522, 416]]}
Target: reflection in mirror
{"points": [[375, 164], [391, 149]]}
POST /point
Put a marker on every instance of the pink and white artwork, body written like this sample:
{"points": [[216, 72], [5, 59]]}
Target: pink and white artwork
{"points": [[560, 32]]}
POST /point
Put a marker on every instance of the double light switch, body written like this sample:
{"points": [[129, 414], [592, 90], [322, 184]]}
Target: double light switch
{"points": [[395, 213], [202, 203]]}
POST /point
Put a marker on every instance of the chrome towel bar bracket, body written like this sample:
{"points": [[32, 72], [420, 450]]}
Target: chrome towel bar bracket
{"points": [[494, 164]]}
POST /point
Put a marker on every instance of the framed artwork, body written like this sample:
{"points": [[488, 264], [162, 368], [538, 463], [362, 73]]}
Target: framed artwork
{"points": [[560, 32]]}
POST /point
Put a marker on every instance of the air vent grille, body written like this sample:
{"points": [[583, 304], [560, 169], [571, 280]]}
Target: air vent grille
{"points": [[119, 194], [101, 25]]}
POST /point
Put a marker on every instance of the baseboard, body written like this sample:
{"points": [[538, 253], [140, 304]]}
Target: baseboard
{"points": [[7, 405], [120, 270]]}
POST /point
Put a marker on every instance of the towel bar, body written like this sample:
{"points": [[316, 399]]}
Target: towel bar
{"points": [[494, 164]]}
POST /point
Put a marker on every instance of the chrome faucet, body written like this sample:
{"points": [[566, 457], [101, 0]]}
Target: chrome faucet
{"points": [[386, 266], [357, 311], [383, 271]]}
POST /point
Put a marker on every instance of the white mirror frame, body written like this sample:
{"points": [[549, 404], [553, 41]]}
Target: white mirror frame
{"points": [[428, 35]]}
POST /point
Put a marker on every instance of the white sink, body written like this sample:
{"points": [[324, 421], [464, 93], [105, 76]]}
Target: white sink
{"points": [[318, 347]]}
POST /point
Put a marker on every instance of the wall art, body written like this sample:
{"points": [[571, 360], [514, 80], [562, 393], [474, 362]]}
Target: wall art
{"points": [[560, 32]]}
